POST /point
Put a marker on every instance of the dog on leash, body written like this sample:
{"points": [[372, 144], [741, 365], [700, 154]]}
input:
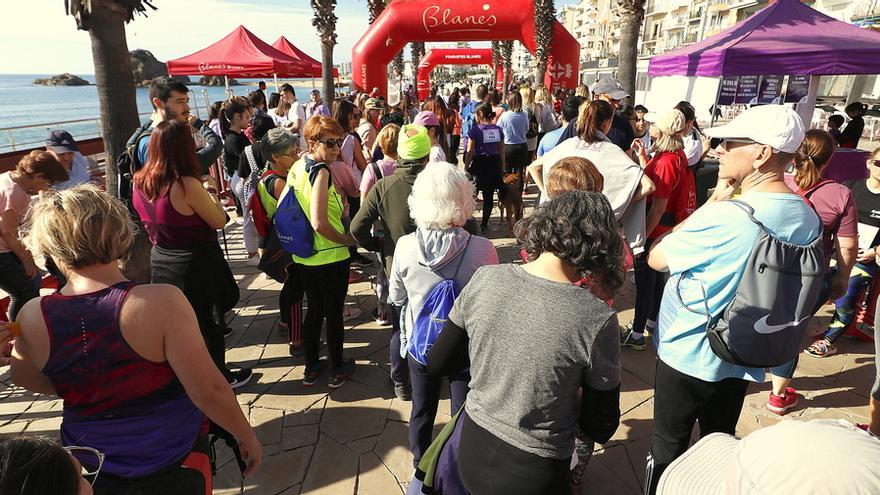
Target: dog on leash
{"points": [[511, 200]]}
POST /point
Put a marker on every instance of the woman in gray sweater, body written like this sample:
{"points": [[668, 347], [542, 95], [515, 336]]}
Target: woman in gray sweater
{"points": [[440, 249]]}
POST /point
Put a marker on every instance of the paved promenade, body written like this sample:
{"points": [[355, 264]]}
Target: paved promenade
{"points": [[354, 440]]}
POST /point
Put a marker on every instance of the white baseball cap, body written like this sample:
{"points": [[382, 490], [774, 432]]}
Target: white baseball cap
{"points": [[779, 460], [777, 126]]}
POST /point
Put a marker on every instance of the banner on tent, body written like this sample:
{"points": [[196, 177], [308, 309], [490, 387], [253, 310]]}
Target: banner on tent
{"points": [[797, 89], [771, 89], [727, 91], [747, 90]]}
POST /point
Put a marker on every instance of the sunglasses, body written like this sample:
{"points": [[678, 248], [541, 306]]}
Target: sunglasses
{"points": [[88, 456], [332, 143]]}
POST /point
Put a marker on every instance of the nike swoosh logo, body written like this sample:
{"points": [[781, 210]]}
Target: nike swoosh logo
{"points": [[761, 326]]}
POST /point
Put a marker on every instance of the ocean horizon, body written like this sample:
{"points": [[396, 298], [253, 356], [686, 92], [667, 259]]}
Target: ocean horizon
{"points": [[46, 107]]}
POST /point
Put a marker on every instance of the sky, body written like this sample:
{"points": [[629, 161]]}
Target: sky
{"points": [[41, 39]]}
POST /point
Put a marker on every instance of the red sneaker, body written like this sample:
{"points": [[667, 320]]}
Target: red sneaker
{"points": [[781, 404]]}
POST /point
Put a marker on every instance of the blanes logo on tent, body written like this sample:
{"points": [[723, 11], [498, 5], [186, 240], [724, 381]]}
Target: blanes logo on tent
{"points": [[435, 19], [205, 67]]}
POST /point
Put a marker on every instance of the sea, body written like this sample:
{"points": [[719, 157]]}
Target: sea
{"points": [[29, 111]]}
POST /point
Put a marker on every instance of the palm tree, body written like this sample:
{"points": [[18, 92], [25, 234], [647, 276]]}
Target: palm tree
{"points": [[545, 14], [507, 56], [496, 61], [416, 52], [632, 13], [325, 22], [105, 21], [376, 7]]}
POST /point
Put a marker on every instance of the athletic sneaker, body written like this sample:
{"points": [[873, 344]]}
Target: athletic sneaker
{"points": [[283, 328], [253, 261], [821, 348], [239, 378], [380, 319], [633, 340], [402, 391], [311, 377], [781, 405], [337, 379], [295, 350]]}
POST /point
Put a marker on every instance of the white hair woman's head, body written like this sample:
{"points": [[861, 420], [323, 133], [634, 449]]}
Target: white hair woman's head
{"points": [[442, 197]]}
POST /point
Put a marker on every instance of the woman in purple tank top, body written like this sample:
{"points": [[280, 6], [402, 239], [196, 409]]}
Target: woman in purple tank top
{"points": [[135, 388]]}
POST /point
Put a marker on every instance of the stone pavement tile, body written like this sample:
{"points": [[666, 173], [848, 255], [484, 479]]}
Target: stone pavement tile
{"points": [[294, 490], [374, 478], [371, 374], [50, 427], [400, 410], [363, 445], [13, 428], [294, 437], [362, 343], [616, 460], [633, 391], [393, 450], [642, 364], [637, 451], [244, 355], [635, 424], [333, 470], [291, 395], [353, 412], [310, 416], [258, 332], [278, 472], [599, 480], [268, 424], [264, 384]]}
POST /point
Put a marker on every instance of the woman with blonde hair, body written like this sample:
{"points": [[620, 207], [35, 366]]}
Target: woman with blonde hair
{"points": [[528, 106], [674, 199], [837, 209], [440, 248], [544, 112], [127, 359]]}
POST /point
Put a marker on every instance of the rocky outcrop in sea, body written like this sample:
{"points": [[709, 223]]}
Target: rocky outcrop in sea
{"points": [[65, 79], [217, 81]]}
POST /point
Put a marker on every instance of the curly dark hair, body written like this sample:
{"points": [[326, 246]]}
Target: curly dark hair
{"points": [[579, 228]]}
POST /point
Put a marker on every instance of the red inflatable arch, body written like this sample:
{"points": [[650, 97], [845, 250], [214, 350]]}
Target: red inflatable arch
{"points": [[452, 56], [403, 21]]}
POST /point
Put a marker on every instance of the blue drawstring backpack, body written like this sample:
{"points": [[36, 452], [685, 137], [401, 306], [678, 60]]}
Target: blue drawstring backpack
{"points": [[434, 313], [293, 227]]}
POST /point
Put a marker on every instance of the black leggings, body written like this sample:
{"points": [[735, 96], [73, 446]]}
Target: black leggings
{"points": [[326, 287], [488, 465], [488, 203], [15, 282]]}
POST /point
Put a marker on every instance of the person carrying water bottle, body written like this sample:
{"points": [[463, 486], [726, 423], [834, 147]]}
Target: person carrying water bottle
{"points": [[439, 250]]}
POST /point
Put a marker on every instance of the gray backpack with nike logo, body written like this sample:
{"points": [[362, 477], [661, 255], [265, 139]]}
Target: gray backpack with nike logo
{"points": [[782, 287]]}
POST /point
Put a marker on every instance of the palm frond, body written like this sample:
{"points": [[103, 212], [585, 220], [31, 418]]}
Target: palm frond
{"points": [[325, 20], [81, 10]]}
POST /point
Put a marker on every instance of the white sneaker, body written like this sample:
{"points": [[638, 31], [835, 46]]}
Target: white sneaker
{"points": [[253, 261]]}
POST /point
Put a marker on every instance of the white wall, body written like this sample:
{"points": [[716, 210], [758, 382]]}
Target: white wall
{"points": [[666, 91]]}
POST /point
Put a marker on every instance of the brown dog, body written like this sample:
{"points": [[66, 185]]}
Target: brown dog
{"points": [[511, 200]]}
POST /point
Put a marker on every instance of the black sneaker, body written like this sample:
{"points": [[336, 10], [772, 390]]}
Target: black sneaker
{"points": [[239, 378], [402, 391], [295, 350], [337, 379], [311, 377]]}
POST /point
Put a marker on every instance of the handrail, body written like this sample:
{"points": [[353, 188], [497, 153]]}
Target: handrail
{"points": [[54, 123]]}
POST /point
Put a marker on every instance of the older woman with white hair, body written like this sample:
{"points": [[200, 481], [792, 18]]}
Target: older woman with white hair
{"points": [[440, 249], [674, 199]]}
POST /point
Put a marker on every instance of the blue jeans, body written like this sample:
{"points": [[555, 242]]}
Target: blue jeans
{"points": [[15, 282]]}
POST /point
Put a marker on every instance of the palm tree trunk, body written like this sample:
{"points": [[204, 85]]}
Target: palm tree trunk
{"points": [[329, 87], [119, 115], [116, 92], [632, 15]]}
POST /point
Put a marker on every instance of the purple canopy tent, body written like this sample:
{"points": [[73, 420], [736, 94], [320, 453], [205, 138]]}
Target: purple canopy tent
{"points": [[786, 37]]}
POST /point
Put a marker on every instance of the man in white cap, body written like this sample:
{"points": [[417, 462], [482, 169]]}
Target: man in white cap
{"points": [[706, 256]]}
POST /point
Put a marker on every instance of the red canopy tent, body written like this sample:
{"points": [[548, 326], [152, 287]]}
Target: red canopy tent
{"points": [[240, 54], [284, 45]]}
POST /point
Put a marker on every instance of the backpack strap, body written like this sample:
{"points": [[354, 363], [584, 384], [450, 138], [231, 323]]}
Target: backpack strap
{"points": [[376, 170], [749, 211]]}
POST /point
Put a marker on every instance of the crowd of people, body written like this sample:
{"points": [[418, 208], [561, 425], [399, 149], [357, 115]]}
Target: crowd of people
{"points": [[531, 351]]}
